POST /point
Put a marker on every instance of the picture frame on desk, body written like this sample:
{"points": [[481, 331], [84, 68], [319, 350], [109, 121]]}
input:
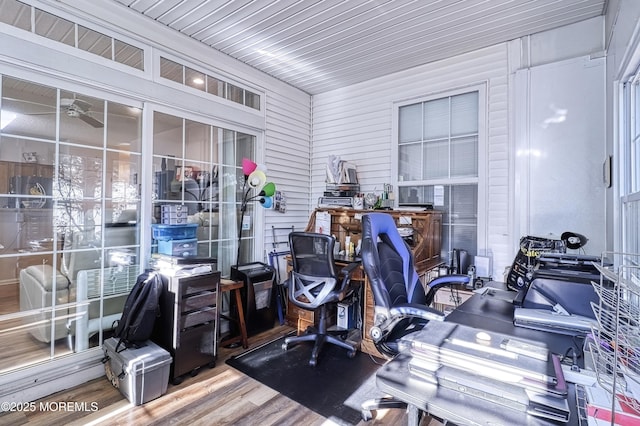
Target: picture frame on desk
{"points": [[184, 173]]}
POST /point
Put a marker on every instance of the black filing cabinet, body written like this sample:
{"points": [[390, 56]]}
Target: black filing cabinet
{"points": [[188, 323]]}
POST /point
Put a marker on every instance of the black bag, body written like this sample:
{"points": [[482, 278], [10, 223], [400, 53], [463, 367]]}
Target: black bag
{"points": [[140, 310]]}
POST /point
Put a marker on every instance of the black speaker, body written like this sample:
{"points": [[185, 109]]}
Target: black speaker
{"points": [[460, 261]]}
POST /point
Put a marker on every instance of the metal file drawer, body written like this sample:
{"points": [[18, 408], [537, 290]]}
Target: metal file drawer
{"points": [[199, 300], [200, 316]]}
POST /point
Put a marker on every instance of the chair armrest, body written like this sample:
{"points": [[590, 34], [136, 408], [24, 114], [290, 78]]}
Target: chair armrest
{"points": [[416, 311], [444, 281], [42, 276], [349, 269], [347, 273], [397, 313]]}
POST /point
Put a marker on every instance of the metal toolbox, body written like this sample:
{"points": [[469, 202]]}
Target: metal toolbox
{"points": [[141, 374]]}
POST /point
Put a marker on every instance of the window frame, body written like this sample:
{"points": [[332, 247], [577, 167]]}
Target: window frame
{"points": [[481, 180], [629, 167], [252, 240]]}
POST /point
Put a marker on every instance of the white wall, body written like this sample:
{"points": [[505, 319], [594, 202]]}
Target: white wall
{"points": [[560, 151], [355, 123]]}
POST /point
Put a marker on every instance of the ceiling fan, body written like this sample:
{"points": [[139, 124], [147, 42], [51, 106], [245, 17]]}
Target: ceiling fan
{"points": [[77, 108], [72, 107]]}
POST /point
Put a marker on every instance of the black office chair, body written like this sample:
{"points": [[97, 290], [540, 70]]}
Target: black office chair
{"points": [[401, 304], [314, 283]]}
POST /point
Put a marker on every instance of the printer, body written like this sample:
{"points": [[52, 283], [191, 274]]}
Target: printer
{"points": [[560, 296]]}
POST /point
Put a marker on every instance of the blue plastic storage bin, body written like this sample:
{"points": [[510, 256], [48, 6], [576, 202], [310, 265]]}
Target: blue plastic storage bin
{"points": [[178, 248], [162, 232]]}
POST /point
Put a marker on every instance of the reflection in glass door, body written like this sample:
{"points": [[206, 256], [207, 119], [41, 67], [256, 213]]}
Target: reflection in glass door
{"points": [[69, 203], [198, 166]]}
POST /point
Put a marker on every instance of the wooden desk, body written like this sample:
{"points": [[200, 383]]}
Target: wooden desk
{"points": [[425, 230], [484, 313], [425, 244], [235, 286]]}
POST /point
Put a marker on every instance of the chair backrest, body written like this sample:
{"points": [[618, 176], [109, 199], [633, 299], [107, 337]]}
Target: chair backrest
{"points": [[314, 275], [81, 252], [83, 248], [388, 263], [312, 254]]}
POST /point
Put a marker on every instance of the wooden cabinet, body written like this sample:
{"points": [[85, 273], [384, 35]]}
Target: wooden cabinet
{"points": [[423, 230], [9, 169], [448, 299]]}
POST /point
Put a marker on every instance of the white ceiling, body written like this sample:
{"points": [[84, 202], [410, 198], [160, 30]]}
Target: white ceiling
{"points": [[320, 45]]}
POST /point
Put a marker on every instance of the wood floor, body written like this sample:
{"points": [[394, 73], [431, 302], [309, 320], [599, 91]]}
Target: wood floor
{"points": [[217, 396], [19, 347]]}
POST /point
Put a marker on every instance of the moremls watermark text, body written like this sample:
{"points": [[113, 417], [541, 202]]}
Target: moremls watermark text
{"points": [[68, 406]]}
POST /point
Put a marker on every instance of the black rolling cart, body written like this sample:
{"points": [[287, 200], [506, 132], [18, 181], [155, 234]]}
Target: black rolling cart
{"points": [[188, 323]]}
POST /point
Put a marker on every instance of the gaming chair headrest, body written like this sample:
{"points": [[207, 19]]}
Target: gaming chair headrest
{"points": [[382, 225]]}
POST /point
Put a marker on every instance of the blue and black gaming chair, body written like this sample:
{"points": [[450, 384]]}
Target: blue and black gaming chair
{"points": [[401, 304]]}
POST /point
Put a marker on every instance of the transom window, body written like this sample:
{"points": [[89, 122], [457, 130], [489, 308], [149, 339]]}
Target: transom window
{"points": [[45, 24]]}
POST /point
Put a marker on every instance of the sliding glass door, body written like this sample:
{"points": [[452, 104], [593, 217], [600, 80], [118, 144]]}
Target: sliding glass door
{"points": [[198, 167], [69, 201]]}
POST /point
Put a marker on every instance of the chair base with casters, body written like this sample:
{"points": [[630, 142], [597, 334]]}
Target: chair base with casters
{"points": [[315, 283], [368, 407], [320, 336], [388, 335]]}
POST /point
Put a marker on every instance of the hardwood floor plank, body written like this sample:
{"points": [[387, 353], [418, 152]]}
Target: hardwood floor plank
{"points": [[220, 396]]}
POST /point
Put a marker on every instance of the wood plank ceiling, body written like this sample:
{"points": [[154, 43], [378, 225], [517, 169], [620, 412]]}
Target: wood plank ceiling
{"points": [[320, 45]]}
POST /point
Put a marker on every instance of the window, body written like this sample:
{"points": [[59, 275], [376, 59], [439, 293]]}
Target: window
{"points": [[55, 28], [199, 166], [438, 163], [630, 166], [69, 233], [182, 74]]}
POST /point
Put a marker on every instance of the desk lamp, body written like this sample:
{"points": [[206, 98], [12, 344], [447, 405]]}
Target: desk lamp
{"points": [[254, 178]]}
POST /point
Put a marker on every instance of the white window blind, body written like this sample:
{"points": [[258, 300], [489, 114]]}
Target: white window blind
{"points": [[438, 163]]}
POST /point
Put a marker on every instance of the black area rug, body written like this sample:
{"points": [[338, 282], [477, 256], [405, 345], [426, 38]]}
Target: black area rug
{"points": [[334, 388]]}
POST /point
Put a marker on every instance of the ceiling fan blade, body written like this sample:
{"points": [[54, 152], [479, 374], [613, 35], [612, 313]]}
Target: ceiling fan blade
{"points": [[90, 120], [78, 103]]}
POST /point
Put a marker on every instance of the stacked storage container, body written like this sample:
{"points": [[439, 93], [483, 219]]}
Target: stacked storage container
{"points": [[175, 236]]}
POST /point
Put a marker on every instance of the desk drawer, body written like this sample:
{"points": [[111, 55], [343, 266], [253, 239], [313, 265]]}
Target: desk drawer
{"points": [[200, 300], [198, 283], [294, 313]]}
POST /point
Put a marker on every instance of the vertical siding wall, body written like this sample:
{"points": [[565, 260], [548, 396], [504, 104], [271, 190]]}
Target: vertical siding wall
{"points": [[355, 123], [287, 155]]}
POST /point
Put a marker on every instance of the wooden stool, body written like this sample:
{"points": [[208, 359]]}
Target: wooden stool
{"points": [[229, 285]]}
